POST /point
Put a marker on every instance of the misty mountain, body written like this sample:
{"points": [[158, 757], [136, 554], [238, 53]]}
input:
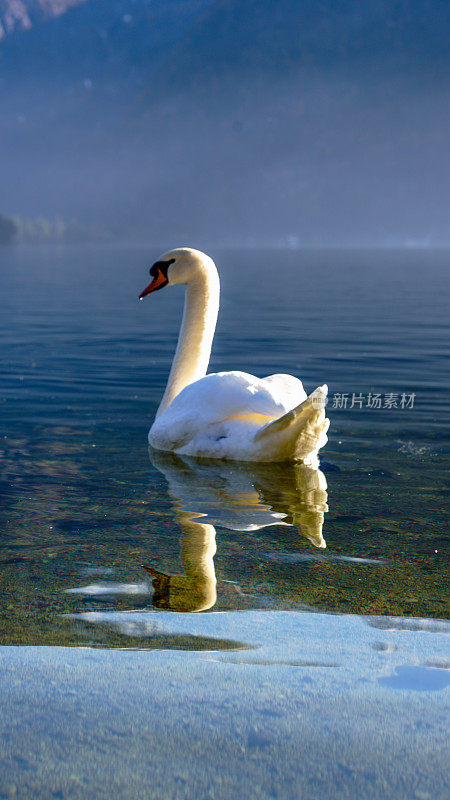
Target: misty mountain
{"points": [[223, 118], [281, 37], [21, 15], [328, 120], [104, 38], [219, 39], [65, 84]]}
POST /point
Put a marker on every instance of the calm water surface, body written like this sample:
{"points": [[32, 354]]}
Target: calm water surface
{"points": [[84, 505]]}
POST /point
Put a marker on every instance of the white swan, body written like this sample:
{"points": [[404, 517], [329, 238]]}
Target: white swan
{"points": [[226, 415]]}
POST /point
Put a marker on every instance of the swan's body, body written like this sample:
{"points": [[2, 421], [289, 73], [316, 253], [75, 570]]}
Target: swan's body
{"points": [[226, 415], [222, 415]]}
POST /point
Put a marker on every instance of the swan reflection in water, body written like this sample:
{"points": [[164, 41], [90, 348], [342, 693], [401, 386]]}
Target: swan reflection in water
{"points": [[239, 497]]}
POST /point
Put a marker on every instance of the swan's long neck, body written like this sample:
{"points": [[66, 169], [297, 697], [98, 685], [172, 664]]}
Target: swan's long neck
{"points": [[201, 306]]}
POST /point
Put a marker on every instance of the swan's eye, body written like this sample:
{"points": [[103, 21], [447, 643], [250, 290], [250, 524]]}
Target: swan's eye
{"points": [[161, 266], [159, 274]]}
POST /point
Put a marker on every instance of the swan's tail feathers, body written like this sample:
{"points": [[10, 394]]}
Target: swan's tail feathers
{"points": [[299, 434]]}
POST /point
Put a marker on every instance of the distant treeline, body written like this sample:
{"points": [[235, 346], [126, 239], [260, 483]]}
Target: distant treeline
{"points": [[8, 230], [40, 229]]}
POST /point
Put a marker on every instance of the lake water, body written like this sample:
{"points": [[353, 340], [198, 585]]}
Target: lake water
{"points": [[84, 505]]}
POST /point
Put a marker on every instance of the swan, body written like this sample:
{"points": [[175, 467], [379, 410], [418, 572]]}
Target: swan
{"points": [[226, 415]]}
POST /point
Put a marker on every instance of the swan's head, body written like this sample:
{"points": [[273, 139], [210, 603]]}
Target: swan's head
{"points": [[179, 266]]}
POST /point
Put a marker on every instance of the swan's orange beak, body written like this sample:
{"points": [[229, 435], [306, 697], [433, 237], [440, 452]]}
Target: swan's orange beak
{"points": [[157, 283]]}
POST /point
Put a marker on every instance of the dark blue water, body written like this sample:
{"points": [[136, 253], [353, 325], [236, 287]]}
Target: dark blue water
{"points": [[83, 366]]}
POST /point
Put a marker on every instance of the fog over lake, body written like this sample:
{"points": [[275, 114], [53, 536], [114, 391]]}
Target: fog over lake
{"points": [[232, 121]]}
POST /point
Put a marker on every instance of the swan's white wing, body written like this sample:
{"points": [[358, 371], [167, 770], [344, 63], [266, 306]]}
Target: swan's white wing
{"points": [[286, 387], [224, 396]]}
